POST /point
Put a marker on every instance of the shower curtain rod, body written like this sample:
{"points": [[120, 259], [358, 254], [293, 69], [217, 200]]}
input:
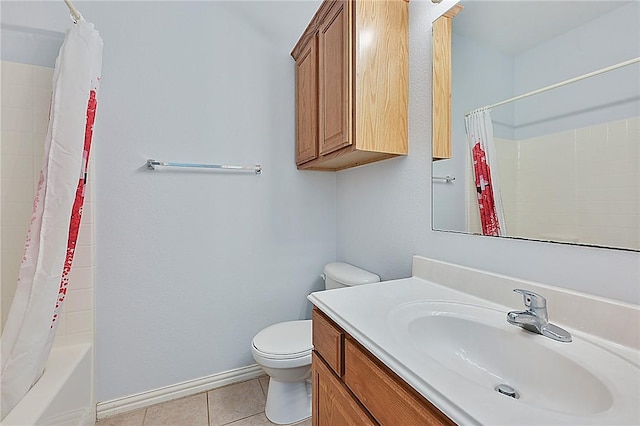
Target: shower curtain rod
{"points": [[77, 16], [562, 83]]}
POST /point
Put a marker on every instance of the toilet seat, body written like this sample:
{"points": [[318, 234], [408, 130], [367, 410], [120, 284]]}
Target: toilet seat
{"points": [[277, 357], [285, 340]]}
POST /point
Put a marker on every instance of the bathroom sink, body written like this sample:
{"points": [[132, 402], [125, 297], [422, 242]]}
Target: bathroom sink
{"points": [[475, 345]]}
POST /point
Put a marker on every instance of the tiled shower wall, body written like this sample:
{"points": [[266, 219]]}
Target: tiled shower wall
{"points": [[26, 93], [579, 186]]}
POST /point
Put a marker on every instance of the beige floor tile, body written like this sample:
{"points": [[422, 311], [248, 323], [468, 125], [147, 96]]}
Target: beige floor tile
{"points": [[191, 411], [262, 420], [257, 420], [235, 402], [132, 418], [264, 383]]}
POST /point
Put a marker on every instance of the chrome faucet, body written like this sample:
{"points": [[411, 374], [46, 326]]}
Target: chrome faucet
{"points": [[535, 318]]}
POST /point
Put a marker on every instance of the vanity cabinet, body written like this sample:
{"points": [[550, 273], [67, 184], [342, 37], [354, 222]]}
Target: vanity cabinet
{"points": [[441, 96], [352, 387], [352, 84], [333, 404]]}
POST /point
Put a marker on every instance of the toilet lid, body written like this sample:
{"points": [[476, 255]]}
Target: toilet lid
{"points": [[285, 339]]}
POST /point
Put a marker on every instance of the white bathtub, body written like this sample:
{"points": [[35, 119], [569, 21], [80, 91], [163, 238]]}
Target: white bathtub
{"points": [[64, 393]]}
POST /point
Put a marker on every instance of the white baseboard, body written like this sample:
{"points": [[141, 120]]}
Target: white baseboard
{"points": [[179, 390]]}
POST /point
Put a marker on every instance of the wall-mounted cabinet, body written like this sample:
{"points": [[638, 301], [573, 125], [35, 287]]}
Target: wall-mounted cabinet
{"points": [[441, 107], [352, 84]]}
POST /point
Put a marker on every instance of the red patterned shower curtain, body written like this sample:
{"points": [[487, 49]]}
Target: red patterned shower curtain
{"points": [[57, 209], [480, 137]]}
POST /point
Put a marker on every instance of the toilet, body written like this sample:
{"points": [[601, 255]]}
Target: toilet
{"points": [[283, 351]]}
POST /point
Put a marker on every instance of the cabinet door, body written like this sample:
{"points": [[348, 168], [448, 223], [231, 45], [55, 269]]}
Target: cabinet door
{"points": [[307, 103], [334, 81], [332, 405], [389, 399], [441, 131], [441, 107]]}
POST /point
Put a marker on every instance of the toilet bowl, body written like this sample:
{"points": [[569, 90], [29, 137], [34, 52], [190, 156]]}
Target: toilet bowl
{"points": [[283, 351]]}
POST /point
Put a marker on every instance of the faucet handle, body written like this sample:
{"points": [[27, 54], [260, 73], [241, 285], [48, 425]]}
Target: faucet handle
{"points": [[531, 299]]}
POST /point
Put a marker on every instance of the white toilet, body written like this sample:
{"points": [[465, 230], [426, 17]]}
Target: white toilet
{"points": [[283, 351]]}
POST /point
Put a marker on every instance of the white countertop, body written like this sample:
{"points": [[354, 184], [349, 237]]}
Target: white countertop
{"points": [[364, 312]]}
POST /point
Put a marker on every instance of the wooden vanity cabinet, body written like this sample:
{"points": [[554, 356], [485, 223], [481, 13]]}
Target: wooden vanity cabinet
{"points": [[332, 403], [352, 84], [352, 387]]}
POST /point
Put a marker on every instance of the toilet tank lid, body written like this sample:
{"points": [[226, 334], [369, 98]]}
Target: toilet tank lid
{"points": [[347, 274]]}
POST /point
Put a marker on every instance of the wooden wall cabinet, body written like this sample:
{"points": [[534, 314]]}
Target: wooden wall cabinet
{"points": [[352, 387], [441, 106], [352, 84]]}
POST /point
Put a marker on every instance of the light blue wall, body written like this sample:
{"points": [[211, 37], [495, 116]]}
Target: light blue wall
{"points": [[607, 40], [191, 264], [490, 76], [480, 75]]}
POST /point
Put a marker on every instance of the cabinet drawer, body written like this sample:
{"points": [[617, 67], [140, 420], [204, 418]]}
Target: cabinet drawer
{"points": [[388, 398], [328, 341]]}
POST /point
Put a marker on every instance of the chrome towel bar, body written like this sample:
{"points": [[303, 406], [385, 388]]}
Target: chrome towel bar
{"points": [[447, 178], [152, 164]]}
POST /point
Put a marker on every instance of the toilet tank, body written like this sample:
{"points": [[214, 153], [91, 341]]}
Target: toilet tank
{"points": [[340, 274]]}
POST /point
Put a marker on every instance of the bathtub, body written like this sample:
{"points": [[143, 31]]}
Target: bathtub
{"points": [[64, 393]]}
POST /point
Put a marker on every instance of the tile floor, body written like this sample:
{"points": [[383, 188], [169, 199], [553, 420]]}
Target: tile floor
{"points": [[240, 404]]}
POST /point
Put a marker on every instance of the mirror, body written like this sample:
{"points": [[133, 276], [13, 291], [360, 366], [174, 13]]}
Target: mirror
{"points": [[564, 162]]}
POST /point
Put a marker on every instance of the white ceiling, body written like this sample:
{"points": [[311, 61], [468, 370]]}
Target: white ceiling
{"points": [[515, 26]]}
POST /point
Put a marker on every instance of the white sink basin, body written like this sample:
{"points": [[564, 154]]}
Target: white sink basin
{"points": [[477, 345]]}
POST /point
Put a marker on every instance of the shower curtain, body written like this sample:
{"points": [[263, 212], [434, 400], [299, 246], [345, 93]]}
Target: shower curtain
{"points": [[480, 137], [57, 208]]}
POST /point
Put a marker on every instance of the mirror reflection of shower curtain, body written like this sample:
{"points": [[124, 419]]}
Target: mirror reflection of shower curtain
{"points": [[479, 130], [57, 209]]}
